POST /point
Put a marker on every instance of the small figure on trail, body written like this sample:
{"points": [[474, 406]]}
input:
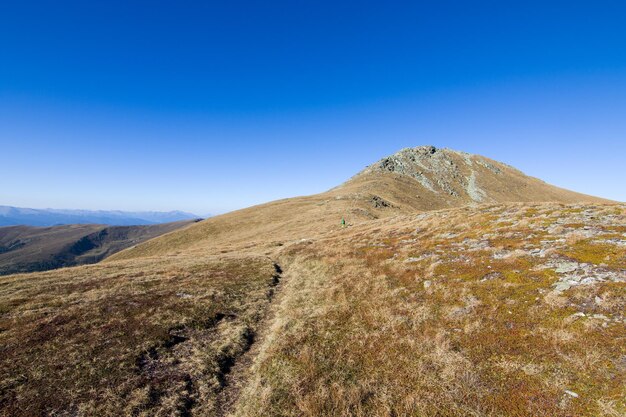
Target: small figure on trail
{"points": [[343, 222]]}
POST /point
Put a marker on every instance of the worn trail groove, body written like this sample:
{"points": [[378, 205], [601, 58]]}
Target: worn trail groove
{"points": [[237, 372]]}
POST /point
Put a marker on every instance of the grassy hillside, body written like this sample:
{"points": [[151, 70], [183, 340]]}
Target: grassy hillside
{"points": [[27, 248], [428, 303], [137, 338], [416, 179], [490, 311]]}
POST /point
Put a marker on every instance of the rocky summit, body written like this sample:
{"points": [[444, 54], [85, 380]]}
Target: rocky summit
{"points": [[448, 178], [443, 170]]}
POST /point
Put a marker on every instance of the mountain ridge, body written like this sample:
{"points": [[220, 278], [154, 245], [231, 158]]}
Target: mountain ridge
{"points": [[470, 177], [32, 248], [374, 192], [14, 216]]}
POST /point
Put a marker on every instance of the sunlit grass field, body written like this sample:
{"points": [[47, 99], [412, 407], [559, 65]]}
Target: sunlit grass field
{"points": [[491, 310]]}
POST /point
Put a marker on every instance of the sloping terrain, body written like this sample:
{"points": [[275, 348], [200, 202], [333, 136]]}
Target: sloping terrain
{"points": [[429, 302], [506, 310], [414, 179], [447, 178], [490, 310], [27, 249], [138, 338]]}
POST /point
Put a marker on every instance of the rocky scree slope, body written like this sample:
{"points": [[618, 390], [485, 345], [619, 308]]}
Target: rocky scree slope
{"points": [[448, 178]]}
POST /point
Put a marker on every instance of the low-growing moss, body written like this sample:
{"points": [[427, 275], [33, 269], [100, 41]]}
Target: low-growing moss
{"points": [[590, 251]]}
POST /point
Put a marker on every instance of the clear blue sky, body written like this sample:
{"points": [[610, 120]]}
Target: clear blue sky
{"points": [[210, 106]]}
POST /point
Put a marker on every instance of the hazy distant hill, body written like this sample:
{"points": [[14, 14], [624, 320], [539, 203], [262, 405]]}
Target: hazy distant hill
{"points": [[28, 248], [13, 216]]}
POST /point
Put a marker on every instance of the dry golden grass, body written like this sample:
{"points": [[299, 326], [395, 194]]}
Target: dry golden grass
{"points": [[445, 313], [360, 334], [147, 337]]}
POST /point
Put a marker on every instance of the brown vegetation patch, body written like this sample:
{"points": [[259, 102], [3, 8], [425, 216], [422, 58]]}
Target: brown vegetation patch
{"points": [[156, 339]]}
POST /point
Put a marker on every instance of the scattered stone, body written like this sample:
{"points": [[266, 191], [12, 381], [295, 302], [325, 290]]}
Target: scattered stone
{"points": [[427, 284], [489, 166], [475, 245], [565, 267], [502, 254], [571, 393], [540, 253], [378, 202], [457, 312], [436, 170], [561, 286], [491, 276], [448, 235], [584, 274], [183, 295], [618, 242]]}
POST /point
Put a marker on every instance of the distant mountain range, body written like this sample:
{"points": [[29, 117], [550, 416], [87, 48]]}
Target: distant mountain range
{"points": [[12, 216]]}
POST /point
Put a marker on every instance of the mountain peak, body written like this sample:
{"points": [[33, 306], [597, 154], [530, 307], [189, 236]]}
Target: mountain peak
{"points": [[448, 178], [444, 171], [408, 161]]}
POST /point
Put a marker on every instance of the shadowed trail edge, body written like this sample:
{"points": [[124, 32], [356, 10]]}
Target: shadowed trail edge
{"points": [[239, 372]]}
